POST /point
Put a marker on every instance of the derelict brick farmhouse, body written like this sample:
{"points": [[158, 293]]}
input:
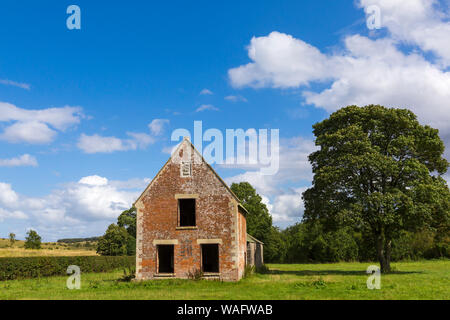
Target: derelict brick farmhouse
{"points": [[189, 220]]}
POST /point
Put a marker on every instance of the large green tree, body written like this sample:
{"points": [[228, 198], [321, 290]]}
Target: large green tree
{"points": [[259, 221], [120, 239], [378, 170], [114, 242], [127, 220]]}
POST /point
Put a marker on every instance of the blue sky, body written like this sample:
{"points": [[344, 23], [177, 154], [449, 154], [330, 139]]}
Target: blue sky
{"points": [[145, 62]]}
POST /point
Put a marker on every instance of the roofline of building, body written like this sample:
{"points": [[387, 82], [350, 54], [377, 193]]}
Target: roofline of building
{"points": [[253, 239], [203, 159]]}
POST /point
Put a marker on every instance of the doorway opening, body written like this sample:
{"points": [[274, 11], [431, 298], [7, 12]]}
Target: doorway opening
{"points": [[210, 258], [165, 259]]}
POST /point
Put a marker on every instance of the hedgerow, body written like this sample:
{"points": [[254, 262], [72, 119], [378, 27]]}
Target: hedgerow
{"points": [[35, 267]]}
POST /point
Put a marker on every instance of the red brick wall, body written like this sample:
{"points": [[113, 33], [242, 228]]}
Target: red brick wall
{"points": [[216, 218]]}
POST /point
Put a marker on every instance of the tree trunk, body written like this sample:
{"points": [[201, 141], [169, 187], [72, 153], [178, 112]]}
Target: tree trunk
{"points": [[388, 255], [384, 253]]}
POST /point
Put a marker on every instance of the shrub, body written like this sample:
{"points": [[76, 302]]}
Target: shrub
{"points": [[33, 240], [249, 270], [33, 267], [195, 274], [116, 242], [128, 274], [320, 284], [262, 269]]}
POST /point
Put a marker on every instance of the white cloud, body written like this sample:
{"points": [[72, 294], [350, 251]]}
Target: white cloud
{"points": [[97, 200], [8, 197], [137, 140], [89, 204], [157, 126], [206, 92], [366, 72], [101, 144], [36, 126], [417, 22], [6, 214], [139, 184], [287, 207], [94, 181], [7, 82], [141, 140], [236, 98], [280, 61], [284, 204], [59, 118], [29, 132], [23, 160], [363, 71], [294, 168], [206, 107]]}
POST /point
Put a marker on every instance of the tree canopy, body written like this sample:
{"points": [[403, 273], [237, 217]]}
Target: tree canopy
{"points": [[378, 170], [259, 221], [33, 240], [12, 239], [120, 239], [114, 242]]}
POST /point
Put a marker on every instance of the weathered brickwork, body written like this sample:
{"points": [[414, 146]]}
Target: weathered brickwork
{"points": [[219, 219]]}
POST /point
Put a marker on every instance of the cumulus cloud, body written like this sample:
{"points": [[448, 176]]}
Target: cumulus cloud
{"points": [[280, 61], [100, 144], [21, 85], [93, 181], [236, 98], [423, 23], [364, 70], [36, 126], [8, 197], [75, 206], [157, 126], [23, 160], [206, 92], [294, 167], [30, 132], [6, 214], [367, 72], [206, 107], [284, 203], [136, 140], [287, 207]]}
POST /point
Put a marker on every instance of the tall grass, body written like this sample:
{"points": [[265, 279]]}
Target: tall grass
{"points": [[411, 280], [49, 249]]}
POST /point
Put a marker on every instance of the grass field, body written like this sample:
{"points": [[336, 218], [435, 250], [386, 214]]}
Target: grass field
{"points": [[411, 280], [48, 249]]}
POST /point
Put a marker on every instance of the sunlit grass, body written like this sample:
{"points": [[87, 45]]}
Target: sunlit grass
{"points": [[411, 280]]}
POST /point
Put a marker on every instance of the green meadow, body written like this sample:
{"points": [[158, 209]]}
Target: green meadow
{"points": [[409, 280]]}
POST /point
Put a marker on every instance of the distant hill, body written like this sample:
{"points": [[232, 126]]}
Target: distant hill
{"points": [[77, 240]]}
